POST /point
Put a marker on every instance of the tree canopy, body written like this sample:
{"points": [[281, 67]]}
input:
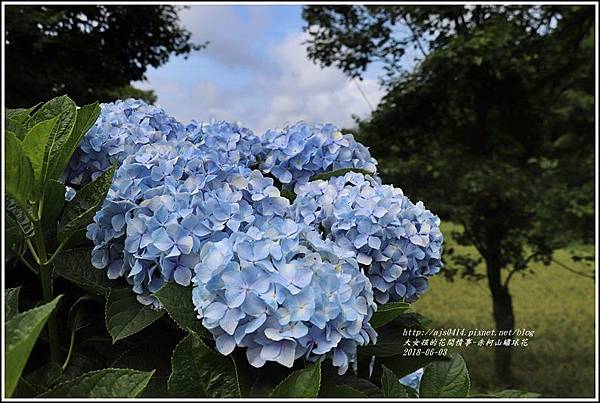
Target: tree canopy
{"points": [[494, 128], [91, 52]]}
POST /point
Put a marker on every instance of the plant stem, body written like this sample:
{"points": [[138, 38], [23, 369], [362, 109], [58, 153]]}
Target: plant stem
{"points": [[46, 278], [71, 345], [29, 266], [56, 252], [45, 271], [33, 252]]}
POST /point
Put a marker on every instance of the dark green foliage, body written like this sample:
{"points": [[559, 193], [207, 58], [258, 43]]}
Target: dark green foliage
{"points": [[91, 52], [445, 379], [177, 301], [125, 316], [388, 312], [493, 128], [303, 383], [34, 203], [391, 386], [109, 382], [200, 372]]}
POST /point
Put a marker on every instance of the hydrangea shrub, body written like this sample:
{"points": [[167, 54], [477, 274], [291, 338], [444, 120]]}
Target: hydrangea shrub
{"points": [[281, 257], [201, 205]]}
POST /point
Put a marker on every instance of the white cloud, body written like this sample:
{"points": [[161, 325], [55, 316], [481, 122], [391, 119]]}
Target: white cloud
{"points": [[284, 87], [231, 36], [304, 91]]}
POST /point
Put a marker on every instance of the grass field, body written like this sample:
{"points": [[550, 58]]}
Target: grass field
{"points": [[557, 304]]}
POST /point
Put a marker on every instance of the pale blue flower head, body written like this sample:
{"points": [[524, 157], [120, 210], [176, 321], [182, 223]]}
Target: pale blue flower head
{"points": [[229, 143], [399, 243], [120, 130], [281, 292], [166, 201], [296, 153]]}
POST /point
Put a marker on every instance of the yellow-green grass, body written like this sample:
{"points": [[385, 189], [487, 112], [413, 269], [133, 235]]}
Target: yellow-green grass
{"points": [[557, 304]]}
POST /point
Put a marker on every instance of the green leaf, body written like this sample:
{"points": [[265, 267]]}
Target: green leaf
{"points": [[27, 389], [391, 339], [22, 332], [125, 315], [34, 144], [302, 383], [94, 353], [20, 217], [177, 301], [58, 137], [157, 388], [75, 265], [106, 383], [11, 301], [340, 172], [15, 127], [288, 194], [18, 174], [197, 371], [49, 110], [509, 394], [54, 201], [13, 237], [387, 313], [332, 383], [389, 343], [19, 114], [80, 211], [331, 390], [79, 313], [16, 113], [412, 320], [402, 365], [257, 382], [46, 376], [86, 116], [448, 379], [390, 384]]}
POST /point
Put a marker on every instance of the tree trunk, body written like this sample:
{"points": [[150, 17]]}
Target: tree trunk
{"points": [[504, 318]]}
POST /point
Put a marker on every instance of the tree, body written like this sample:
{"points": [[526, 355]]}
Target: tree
{"points": [[89, 52], [494, 128]]}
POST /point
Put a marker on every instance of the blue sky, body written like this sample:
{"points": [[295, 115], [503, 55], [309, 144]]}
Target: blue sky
{"points": [[255, 71]]}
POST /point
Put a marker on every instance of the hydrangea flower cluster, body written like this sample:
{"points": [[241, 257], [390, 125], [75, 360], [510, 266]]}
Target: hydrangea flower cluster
{"points": [[121, 129], [236, 145], [298, 152], [398, 241], [164, 202], [198, 205], [283, 294], [168, 215]]}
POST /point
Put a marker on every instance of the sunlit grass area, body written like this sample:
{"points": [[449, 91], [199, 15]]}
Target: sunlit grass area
{"points": [[557, 304]]}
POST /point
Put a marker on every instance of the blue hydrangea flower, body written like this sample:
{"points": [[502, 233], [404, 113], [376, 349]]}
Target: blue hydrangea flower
{"points": [[69, 193], [413, 380], [230, 142], [165, 202], [121, 129], [398, 242], [282, 292], [300, 151]]}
